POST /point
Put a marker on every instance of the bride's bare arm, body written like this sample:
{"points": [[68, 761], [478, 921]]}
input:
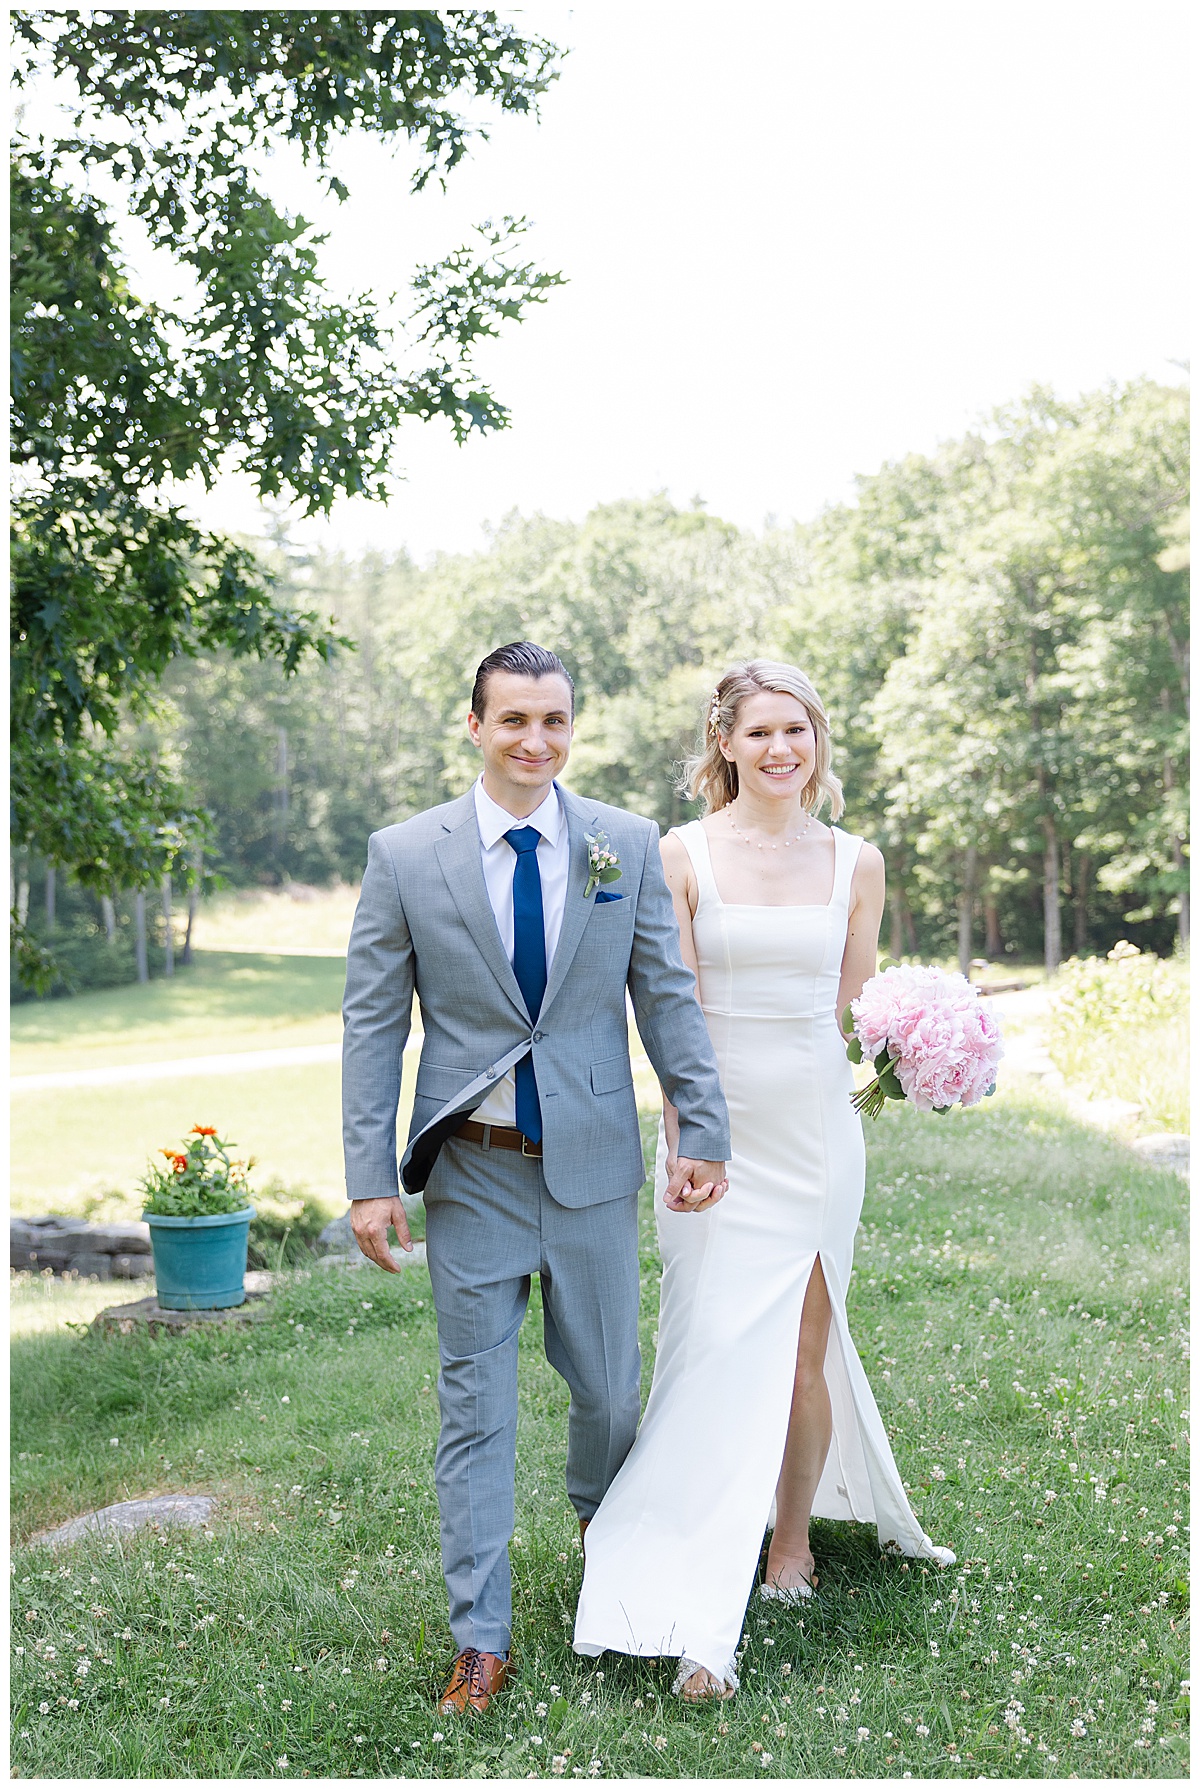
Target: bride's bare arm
{"points": [[861, 955]]}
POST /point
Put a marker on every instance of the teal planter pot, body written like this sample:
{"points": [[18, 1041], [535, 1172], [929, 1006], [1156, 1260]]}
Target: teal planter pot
{"points": [[200, 1263]]}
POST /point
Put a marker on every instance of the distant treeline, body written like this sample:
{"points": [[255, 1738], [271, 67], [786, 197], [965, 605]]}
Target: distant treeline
{"points": [[999, 632]]}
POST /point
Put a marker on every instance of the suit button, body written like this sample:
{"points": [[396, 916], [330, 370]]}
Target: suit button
{"points": [[538, 1036], [491, 1074]]}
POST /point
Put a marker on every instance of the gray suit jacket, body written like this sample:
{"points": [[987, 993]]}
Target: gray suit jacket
{"points": [[424, 921]]}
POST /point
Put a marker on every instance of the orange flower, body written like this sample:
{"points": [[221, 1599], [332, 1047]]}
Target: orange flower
{"points": [[180, 1162], [204, 1130], [169, 1153]]}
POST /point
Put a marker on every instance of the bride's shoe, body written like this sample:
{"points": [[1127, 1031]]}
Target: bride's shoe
{"points": [[790, 1594], [717, 1689]]}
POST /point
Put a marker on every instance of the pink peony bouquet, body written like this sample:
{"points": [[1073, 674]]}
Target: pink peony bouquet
{"points": [[930, 1037]]}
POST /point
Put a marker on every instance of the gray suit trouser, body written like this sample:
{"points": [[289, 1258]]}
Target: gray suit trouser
{"points": [[489, 1225]]}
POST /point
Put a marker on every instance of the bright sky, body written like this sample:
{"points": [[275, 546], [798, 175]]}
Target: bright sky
{"points": [[801, 240]]}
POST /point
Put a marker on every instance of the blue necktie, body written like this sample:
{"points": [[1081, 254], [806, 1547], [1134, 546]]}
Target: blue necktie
{"points": [[529, 963]]}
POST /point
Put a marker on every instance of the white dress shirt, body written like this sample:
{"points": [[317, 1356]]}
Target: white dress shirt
{"points": [[499, 863]]}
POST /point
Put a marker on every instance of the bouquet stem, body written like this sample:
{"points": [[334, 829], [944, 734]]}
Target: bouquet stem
{"points": [[870, 1099]]}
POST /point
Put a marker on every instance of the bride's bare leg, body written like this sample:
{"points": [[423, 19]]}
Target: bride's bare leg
{"points": [[810, 1429]]}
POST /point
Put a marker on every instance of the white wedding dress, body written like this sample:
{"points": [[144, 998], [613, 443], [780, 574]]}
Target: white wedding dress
{"points": [[672, 1551]]}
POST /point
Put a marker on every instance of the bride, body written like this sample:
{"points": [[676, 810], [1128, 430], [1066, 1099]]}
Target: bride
{"points": [[760, 1409]]}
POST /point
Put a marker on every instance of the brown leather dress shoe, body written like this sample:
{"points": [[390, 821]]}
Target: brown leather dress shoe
{"points": [[583, 1528], [475, 1679]]}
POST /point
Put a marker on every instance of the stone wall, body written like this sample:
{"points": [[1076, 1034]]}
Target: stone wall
{"points": [[69, 1245]]}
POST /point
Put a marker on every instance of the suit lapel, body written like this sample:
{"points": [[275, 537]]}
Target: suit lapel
{"points": [[581, 818], [460, 858]]}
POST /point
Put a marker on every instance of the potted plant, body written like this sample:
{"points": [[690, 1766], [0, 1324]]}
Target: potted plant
{"points": [[199, 1211]]}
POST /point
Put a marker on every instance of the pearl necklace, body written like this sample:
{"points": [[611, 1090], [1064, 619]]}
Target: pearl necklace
{"points": [[745, 836]]}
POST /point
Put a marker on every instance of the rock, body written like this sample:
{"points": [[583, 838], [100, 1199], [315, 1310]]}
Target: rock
{"points": [[71, 1245], [124, 1518], [132, 1267], [120, 1239], [38, 1259], [358, 1259], [123, 1319], [1167, 1149], [338, 1235], [88, 1265]]}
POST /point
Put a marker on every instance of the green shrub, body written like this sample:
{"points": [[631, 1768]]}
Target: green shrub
{"points": [[285, 1226], [1118, 1025], [85, 959]]}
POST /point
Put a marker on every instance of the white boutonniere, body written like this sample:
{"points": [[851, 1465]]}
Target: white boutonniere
{"points": [[603, 863]]}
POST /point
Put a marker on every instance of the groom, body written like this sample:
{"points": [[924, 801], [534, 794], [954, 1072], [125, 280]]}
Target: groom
{"points": [[524, 1132]]}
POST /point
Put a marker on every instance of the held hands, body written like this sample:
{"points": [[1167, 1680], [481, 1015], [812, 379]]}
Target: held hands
{"points": [[369, 1219], [693, 1186]]}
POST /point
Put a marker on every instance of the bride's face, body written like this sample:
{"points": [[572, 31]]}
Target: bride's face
{"points": [[773, 746]]}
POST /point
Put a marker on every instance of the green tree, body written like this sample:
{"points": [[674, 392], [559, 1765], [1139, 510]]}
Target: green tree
{"points": [[1017, 730], [175, 115]]}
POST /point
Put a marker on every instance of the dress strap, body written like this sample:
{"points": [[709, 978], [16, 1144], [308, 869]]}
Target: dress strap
{"points": [[694, 840], [846, 846]]}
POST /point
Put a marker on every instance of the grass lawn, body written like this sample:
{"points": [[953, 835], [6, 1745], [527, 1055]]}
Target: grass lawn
{"points": [[292, 919], [81, 1150], [224, 1000], [1019, 1302]]}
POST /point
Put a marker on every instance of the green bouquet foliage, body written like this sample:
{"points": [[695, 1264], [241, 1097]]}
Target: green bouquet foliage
{"points": [[201, 1180]]}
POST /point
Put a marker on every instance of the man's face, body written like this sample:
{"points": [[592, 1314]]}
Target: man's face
{"points": [[524, 734]]}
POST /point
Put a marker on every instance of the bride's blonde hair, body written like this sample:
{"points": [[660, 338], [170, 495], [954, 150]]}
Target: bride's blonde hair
{"points": [[708, 776]]}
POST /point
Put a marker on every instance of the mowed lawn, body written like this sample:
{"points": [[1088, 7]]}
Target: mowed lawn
{"points": [[81, 1150], [1019, 1301], [84, 1147]]}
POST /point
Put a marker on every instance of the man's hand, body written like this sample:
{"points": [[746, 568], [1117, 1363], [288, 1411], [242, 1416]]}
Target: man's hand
{"points": [[694, 1186], [369, 1219]]}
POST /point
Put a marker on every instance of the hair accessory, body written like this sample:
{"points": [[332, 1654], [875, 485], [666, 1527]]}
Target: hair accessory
{"points": [[714, 713]]}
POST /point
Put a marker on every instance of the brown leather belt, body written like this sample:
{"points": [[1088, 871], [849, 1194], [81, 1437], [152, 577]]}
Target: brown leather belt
{"points": [[497, 1136]]}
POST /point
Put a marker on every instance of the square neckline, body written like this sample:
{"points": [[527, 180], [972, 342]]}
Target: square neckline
{"points": [[772, 906]]}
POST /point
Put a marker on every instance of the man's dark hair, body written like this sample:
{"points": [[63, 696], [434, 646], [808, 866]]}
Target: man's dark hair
{"points": [[526, 660]]}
